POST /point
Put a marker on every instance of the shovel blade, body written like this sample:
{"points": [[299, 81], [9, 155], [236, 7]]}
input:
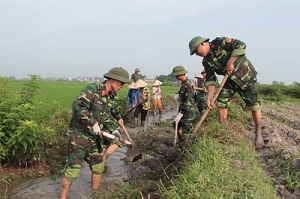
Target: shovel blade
{"points": [[137, 157]]}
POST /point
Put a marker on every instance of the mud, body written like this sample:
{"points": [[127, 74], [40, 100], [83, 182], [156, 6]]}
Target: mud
{"points": [[281, 132]]}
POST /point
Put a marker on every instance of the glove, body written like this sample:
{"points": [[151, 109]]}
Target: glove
{"points": [[96, 129], [117, 134], [176, 97], [178, 117]]}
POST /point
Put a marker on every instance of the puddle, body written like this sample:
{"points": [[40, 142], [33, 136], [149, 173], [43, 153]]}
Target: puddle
{"points": [[46, 188]]}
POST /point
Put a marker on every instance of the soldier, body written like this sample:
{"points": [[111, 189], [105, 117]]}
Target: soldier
{"points": [[91, 112], [136, 76], [227, 55], [200, 93], [187, 107]]}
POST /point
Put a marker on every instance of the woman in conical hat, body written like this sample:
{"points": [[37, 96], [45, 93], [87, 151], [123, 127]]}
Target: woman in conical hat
{"points": [[157, 97], [132, 95], [143, 100]]}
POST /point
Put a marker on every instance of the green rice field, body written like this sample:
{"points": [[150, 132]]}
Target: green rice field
{"points": [[64, 93]]}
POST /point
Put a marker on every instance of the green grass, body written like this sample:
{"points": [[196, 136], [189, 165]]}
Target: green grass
{"points": [[221, 163], [64, 93]]}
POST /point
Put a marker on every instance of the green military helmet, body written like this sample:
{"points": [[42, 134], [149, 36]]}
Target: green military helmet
{"points": [[179, 70], [137, 70], [195, 42], [118, 73]]}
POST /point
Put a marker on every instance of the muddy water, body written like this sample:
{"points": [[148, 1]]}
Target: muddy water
{"points": [[46, 188], [116, 171]]}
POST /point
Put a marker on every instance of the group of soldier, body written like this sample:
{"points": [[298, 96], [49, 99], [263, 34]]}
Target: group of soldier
{"points": [[95, 110]]}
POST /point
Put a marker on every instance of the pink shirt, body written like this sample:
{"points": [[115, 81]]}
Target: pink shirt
{"points": [[156, 92]]}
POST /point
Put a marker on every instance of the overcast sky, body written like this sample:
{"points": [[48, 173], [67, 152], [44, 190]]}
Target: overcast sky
{"points": [[87, 38]]}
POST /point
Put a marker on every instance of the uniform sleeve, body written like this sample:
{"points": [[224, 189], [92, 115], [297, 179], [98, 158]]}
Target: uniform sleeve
{"points": [[82, 106], [211, 78]]}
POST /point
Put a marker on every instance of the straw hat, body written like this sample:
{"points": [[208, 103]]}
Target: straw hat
{"points": [[140, 84], [157, 83], [198, 75], [132, 86]]}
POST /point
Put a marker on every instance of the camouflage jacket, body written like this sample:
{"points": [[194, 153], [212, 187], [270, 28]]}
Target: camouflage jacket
{"points": [[222, 48], [201, 84], [135, 77], [186, 96], [94, 105]]}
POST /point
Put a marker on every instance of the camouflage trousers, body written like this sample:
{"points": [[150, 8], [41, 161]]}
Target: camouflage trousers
{"points": [[82, 147], [250, 96], [201, 102], [188, 121]]}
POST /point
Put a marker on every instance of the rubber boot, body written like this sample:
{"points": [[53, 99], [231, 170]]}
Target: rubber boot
{"points": [[259, 141], [96, 179], [65, 187]]}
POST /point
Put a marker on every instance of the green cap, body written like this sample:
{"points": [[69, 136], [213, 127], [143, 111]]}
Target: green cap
{"points": [[179, 70], [195, 42], [118, 73]]}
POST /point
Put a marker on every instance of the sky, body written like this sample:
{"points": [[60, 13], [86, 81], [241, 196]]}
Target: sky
{"points": [[60, 38]]}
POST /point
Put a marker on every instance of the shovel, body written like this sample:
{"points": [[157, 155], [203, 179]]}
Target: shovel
{"points": [[175, 137], [207, 110], [110, 136], [132, 147]]}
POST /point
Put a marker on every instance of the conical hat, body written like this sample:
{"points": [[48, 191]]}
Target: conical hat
{"points": [[157, 83], [132, 86], [198, 75], [140, 84]]}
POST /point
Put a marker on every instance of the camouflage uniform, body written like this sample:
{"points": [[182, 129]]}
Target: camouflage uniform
{"points": [[109, 122], [201, 96], [187, 106], [92, 105], [135, 77], [242, 80]]}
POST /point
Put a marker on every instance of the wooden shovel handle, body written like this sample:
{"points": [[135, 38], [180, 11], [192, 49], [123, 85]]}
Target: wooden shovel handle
{"points": [[127, 134]]}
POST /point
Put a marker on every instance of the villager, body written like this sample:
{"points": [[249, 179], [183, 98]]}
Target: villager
{"points": [[157, 97], [132, 95], [227, 55], [144, 102]]}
